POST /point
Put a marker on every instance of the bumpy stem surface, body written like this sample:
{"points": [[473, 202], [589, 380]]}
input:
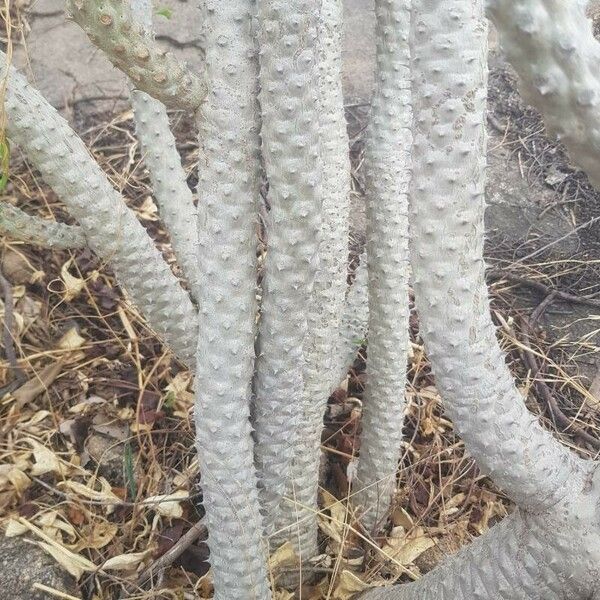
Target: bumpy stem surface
{"points": [[327, 304], [449, 50], [551, 46], [290, 139], [174, 197], [387, 178], [34, 230], [132, 50], [111, 228], [354, 323], [228, 187]]}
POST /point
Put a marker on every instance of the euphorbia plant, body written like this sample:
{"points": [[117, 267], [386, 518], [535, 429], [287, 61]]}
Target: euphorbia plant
{"points": [[269, 107]]}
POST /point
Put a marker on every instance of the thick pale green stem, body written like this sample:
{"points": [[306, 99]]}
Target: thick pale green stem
{"points": [[551, 46], [132, 50], [449, 63], [229, 187], [173, 196], [290, 138], [387, 178], [34, 230], [111, 228], [328, 300]]}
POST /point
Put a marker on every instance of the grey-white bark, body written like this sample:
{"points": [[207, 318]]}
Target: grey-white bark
{"points": [[290, 143], [228, 188], [551, 46], [132, 50], [387, 178], [111, 228], [173, 196], [449, 63], [297, 518], [17, 224]]}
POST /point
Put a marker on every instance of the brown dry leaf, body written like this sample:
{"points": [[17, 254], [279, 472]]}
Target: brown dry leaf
{"points": [[73, 285], [127, 324], [14, 529], [400, 518], [45, 460], [105, 495], [13, 478], [125, 562], [96, 536], [348, 585], [405, 549], [283, 595], [169, 505], [39, 383], [284, 556], [52, 523], [75, 564], [71, 340], [148, 211]]}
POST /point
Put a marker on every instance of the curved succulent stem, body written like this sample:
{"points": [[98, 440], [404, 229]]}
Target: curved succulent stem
{"points": [[132, 50], [111, 228], [449, 61], [290, 129], [513, 561], [551, 46], [34, 230], [229, 187], [387, 178], [327, 302], [173, 196]]}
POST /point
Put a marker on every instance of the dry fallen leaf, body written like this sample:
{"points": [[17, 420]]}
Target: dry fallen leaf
{"points": [[39, 383], [73, 285], [403, 548], [348, 585], [45, 460], [284, 556], [71, 340], [125, 562], [169, 505]]}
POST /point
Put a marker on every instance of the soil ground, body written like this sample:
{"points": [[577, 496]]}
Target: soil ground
{"points": [[99, 421]]}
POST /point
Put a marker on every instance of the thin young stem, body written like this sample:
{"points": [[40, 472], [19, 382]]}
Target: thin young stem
{"points": [[34, 230], [173, 196], [387, 178]]}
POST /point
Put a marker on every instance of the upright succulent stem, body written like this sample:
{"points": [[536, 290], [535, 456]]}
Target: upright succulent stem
{"points": [[328, 299], [449, 63], [111, 228], [34, 230], [132, 50], [354, 323], [551, 46], [387, 178], [229, 187], [174, 197], [290, 138]]}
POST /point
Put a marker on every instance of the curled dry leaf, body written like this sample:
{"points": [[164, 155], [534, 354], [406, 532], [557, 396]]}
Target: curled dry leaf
{"points": [[46, 461], [72, 285], [14, 479], [169, 505], [105, 495], [405, 548], [348, 586]]}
